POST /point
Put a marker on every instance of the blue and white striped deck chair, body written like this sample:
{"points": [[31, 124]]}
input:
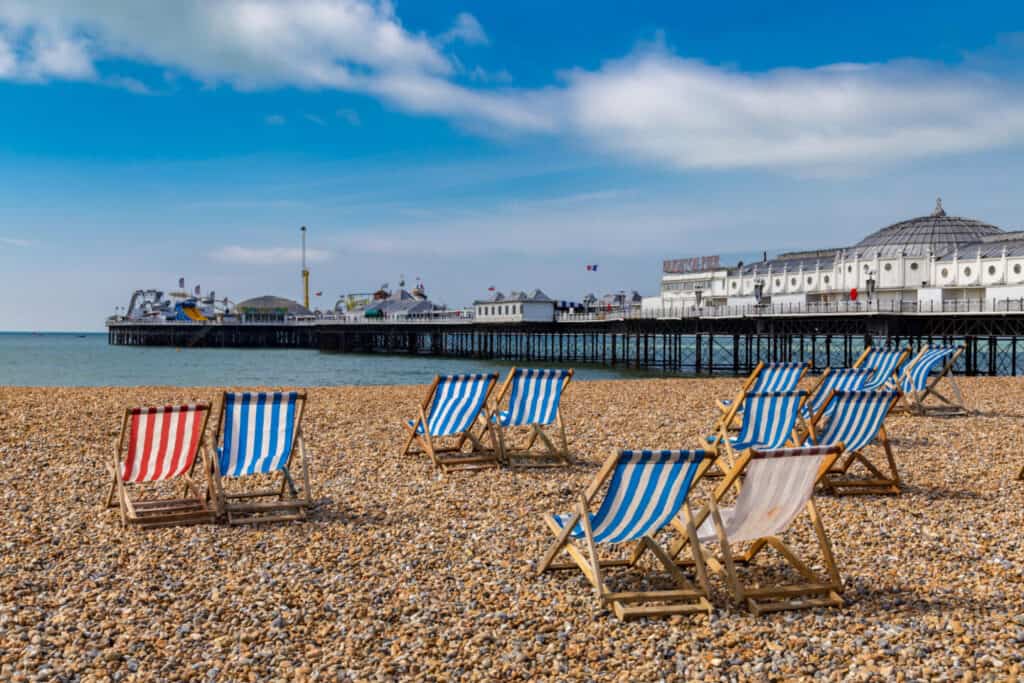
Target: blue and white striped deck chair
{"points": [[769, 422], [258, 435], [921, 375], [534, 400], [454, 406], [834, 379], [857, 421], [647, 491], [885, 363], [766, 378]]}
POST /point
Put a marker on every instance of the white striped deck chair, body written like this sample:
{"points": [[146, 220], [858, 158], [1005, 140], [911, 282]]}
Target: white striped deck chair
{"points": [[857, 421], [534, 401], [258, 435], [885, 364], [647, 491], [766, 378], [770, 421], [923, 373], [777, 485], [834, 379], [455, 405], [161, 444]]}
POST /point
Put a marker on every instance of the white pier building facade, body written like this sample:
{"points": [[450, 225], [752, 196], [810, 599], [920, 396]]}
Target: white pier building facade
{"points": [[933, 263]]}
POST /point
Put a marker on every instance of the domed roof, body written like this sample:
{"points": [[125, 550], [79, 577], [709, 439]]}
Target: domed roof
{"points": [[935, 234], [271, 303]]}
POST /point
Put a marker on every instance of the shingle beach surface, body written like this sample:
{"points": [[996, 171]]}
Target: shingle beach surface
{"points": [[400, 574]]}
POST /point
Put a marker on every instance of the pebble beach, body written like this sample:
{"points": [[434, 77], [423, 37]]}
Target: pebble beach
{"points": [[402, 575]]}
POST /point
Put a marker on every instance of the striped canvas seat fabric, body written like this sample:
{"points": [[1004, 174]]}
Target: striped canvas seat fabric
{"points": [[884, 363], [857, 416], [457, 401], [535, 397], [163, 442], [776, 488], [916, 379], [768, 420], [647, 490], [843, 379], [259, 430], [775, 377]]}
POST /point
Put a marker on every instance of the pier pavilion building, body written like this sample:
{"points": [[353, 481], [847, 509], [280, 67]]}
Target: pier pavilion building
{"points": [[921, 264]]}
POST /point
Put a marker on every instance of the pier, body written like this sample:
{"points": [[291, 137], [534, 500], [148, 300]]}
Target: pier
{"points": [[691, 345]]}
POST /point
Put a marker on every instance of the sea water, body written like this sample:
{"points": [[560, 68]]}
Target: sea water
{"points": [[67, 359]]}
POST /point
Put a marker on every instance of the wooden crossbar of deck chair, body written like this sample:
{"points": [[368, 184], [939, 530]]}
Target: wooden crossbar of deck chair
{"points": [[259, 434], [454, 407], [770, 421], [833, 379], [777, 485], [765, 378], [885, 365], [534, 401], [918, 382], [158, 444], [857, 421], [646, 493]]}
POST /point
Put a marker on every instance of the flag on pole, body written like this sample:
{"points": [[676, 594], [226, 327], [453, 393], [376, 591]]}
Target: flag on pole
{"points": [[197, 290], [592, 267], [319, 293], [181, 283], [491, 288]]}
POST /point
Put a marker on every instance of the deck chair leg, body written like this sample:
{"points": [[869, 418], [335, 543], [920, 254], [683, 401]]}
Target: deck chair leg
{"points": [[588, 534], [698, 553], [732, 578], [826, 546], [560, 541]]}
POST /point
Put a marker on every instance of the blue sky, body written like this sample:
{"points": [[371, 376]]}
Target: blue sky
{"points": [[476, 144]]}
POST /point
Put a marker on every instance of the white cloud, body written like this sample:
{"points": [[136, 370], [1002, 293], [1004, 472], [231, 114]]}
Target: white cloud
{"points": [[275, 120], [650, 107], [313, 118], [14, 242], [467, 29], [268, 256]]}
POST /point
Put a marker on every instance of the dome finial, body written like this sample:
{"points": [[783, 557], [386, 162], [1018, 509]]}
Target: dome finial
{"points": [[939, 211]]}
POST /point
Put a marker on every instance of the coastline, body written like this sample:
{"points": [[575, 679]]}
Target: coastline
{"points": [[401, 574]]}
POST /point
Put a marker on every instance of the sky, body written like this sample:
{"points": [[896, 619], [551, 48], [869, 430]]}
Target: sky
{"points": [[477, 144]]}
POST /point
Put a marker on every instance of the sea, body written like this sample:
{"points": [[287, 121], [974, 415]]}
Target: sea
{"points": [[86, 360]]}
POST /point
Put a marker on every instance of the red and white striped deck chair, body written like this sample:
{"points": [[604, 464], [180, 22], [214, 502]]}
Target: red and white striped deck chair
{"points": [[156, 445]]}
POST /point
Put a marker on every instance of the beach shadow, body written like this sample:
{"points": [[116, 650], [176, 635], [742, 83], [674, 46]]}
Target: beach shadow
{"points": [[327, 511], [909, 601], [942, 492]]}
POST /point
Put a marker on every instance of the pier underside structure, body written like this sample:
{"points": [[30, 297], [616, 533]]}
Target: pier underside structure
{"points": [[994, 344]]}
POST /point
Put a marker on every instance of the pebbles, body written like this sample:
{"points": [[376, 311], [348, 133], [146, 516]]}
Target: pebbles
{"points": [[400, 574]]}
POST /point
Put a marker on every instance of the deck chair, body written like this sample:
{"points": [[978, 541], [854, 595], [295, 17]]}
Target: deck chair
{"points": [[534, 397], [769, 422], [455, 405], [857, 421], [885, 364], [834, 379], [918, 382], [766, 378], [161, 444], [646, 493], [776, 486], [258, 434]]}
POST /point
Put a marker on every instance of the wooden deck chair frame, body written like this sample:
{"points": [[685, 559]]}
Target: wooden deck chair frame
{"points": [[732, 408], [687, 598], [453, 457], [291, 501], [721, 437], [896, 374], [914, 401], [553, 455], [837, 480], [192, 508], [815, 591]]}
